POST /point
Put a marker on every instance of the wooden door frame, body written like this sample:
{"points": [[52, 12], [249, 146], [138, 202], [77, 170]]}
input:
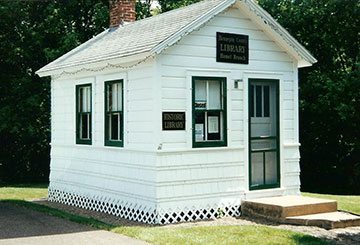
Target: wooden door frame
{"points": [[277, 83]]}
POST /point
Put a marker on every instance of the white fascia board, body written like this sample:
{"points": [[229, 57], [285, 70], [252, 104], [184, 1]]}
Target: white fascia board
{"points": [[277, 32], [304, 63], [99, 65], [191, 27]]}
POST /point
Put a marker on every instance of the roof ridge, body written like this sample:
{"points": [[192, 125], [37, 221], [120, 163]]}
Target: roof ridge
{"points": [[164, 14], [154, 34]]}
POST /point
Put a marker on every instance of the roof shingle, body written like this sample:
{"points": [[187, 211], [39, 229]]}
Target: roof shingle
{"points": [[133, 38]]}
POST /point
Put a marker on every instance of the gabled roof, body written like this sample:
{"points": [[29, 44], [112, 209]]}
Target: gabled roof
{"points": [[152, 35]]}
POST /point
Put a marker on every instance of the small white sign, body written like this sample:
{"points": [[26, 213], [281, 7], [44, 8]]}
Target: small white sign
{"points": [[213, 126], [199, 132]]}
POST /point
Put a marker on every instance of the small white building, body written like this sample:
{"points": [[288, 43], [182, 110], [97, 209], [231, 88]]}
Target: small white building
{"points": [[177, 117]]}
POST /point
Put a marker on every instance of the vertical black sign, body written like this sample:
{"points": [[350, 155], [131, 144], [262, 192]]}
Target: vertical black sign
{"points": [[173, 120], [232, 48]]}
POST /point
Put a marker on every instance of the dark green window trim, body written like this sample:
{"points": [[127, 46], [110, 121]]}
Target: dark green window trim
{"points": [[80, 114], [277, 137], [108, 113], [223, 123]]}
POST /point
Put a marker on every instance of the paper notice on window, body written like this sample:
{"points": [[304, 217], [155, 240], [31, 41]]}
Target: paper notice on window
{"points": [[199, 132], [213, 124]]}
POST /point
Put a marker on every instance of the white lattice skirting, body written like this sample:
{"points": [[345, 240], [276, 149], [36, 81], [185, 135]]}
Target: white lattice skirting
{"points": [[140, 213]]}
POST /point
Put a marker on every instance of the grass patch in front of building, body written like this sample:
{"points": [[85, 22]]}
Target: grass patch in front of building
{"points": [[254, 234], [345, 202]]}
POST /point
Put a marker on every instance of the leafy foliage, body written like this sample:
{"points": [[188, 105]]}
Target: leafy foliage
{"points": [[329, 91], [33, 33], [167, 5], [143, 9]]}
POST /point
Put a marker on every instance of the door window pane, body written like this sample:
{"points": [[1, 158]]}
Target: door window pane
{"points": [[257, 169], [270, 168], [258, 101], [266, 101], [252, 104]]}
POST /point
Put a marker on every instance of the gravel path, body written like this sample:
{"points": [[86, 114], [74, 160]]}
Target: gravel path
{"points": [[350, 235]]}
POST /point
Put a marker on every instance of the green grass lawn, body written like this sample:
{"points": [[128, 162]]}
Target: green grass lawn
{"points": [[217, 235], [23, 192], [346, 203], [256, 234]]}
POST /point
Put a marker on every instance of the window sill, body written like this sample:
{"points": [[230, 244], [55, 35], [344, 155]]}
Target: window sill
{"points": [[209, 144], [83, 142], [114, 143]]}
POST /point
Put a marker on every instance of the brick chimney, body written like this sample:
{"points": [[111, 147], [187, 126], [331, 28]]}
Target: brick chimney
{"points": [[121, 11]]}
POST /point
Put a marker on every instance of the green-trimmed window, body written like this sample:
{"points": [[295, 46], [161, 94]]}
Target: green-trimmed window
{"points": [[114, 115], [83, 114], [209, 111]]}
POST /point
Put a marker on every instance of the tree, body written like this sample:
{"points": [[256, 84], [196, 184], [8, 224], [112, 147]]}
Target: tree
{"points": [[143, 9], [329, 91], [167, 5], [33, 33]]}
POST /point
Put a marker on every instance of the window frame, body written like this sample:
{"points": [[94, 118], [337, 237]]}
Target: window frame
{"points": [[223, 127], [78, 115], [107, 140]]}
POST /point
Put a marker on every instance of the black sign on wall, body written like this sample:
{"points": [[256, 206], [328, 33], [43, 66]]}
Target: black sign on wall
{"points": [[173, 120], [232, 48]]}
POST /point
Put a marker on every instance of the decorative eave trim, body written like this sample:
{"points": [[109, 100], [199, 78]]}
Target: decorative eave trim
{"points": [[303, 56], [45, 71], [127, 62], [174, 38], [259, 16]]}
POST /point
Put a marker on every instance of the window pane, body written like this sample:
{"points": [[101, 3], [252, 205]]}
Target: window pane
{"points": [[84, 99], [119, 95], [214, 95], [266, 101], [200, 94], [271, 168], [109, 97], [258, 101], [115, 127], [257, 169], [252, 104], [214, 125], [80, 99], [199, 126], [88, 99], [84, 126], [114, 97]]}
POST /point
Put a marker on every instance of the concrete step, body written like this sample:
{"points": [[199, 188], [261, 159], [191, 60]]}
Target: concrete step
{"points": [[330, 220], [279, 208]]}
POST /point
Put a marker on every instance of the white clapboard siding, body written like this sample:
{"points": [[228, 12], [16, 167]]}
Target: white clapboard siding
{"points": [[159, 170], [199, 176], [119, 173]]}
